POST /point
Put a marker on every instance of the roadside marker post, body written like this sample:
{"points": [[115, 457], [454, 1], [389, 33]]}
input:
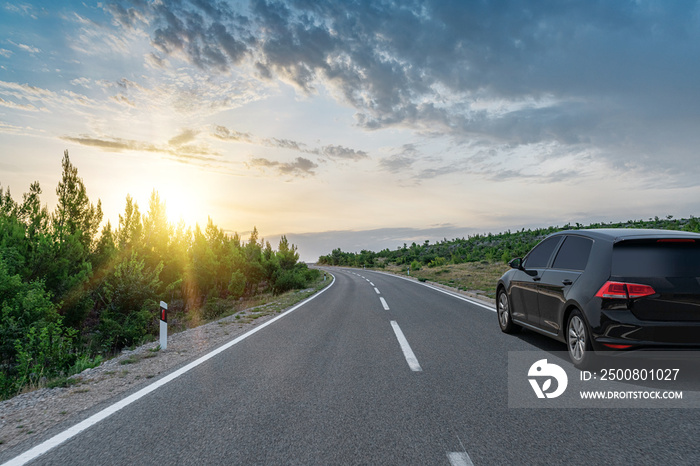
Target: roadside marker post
{"points": [[163, 325]]}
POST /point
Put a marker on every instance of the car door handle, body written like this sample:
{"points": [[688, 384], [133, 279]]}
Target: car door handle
{"points": [[566, 281]]}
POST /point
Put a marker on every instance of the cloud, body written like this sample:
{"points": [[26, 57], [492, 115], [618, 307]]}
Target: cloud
{"points": [[597, 74], [329, 152], [177, 148], [400, 161], [28, 48], [24, 9], [187, 135], [225, 134], [339, 152], [16, 106], [300, 167]]}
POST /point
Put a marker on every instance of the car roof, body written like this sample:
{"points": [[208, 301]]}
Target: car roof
{"points": [[622, 234]]}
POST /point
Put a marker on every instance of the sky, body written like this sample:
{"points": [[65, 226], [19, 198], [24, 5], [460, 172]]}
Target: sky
{"points": [[358, 124]]}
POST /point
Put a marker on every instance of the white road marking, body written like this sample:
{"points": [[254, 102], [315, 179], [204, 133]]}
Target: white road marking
{"points": [[71, 432], [406, 348], [371, 283], [459, 458], [449, 293], [375, 289], [386, 306]]}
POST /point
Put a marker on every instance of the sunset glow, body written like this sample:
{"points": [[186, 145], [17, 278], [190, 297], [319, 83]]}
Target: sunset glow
{"points": [[321, 121]]}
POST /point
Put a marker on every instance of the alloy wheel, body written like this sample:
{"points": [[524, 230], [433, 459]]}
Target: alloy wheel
{"points": [[577, 338]]}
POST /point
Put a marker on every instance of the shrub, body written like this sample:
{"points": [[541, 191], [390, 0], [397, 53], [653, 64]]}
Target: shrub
{"points": [[214, 308], [117, 330], [297, 278], [45, 351], [437, 262], [236, 285]]}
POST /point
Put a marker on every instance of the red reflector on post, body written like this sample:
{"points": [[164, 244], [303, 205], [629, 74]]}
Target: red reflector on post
{"points": [[619, 290]]}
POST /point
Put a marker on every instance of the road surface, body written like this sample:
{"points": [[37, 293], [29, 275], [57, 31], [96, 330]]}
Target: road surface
{"points": [[375, 370]]}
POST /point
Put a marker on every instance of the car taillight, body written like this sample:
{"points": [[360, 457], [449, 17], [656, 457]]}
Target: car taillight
{"points": [[620, 290]]}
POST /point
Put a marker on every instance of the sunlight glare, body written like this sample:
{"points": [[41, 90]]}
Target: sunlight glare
{"points": [[179, 205]]}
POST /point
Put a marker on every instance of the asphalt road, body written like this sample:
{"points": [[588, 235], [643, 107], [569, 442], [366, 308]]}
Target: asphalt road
{"points": [[333, 383]]}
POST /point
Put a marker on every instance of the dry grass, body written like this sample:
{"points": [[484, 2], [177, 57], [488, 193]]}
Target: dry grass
{"points": [[475, 277]]}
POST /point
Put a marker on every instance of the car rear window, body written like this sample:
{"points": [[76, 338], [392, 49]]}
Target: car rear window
{"points": [[573, 254], [656, 259]]}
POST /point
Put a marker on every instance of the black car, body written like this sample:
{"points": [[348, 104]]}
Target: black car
{"points": [[607, 289]]}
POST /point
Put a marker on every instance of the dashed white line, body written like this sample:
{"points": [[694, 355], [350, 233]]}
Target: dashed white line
{"points": [[375, 289], [386, 306], [406, 348], [459, 458], [449, 293]]}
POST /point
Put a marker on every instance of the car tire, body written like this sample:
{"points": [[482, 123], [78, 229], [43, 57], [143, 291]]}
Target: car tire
{"points": [[503, 311], [578, 341]]}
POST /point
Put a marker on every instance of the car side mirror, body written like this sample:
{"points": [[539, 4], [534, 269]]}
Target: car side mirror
{"points": [[516, 263]]}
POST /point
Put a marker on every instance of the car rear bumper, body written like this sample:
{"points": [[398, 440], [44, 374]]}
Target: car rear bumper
{"points": [[621, 327]]}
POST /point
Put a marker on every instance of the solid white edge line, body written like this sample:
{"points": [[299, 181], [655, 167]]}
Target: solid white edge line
{"points": [[406, 348], [459, 458], [71, 432], [384, 304], [449, 293]]}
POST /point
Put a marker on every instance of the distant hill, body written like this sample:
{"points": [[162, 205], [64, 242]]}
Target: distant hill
{"points": [[485, 247]]}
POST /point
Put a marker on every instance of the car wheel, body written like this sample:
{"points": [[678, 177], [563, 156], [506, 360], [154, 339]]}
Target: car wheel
{"points": [[505, 320], [578, 341]]}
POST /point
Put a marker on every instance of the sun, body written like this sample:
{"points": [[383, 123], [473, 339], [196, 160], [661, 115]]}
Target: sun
{"points": [[179, 206]]}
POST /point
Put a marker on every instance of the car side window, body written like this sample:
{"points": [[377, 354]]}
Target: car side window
{"points": [[573, 254], [539, 257]]}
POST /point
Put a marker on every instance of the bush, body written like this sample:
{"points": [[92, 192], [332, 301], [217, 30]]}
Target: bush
{"points": [[437, 262], [415, 265], [215, 307], [295, 279], [288, 280], [45, 351], [117, 330], [236, 285]]}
